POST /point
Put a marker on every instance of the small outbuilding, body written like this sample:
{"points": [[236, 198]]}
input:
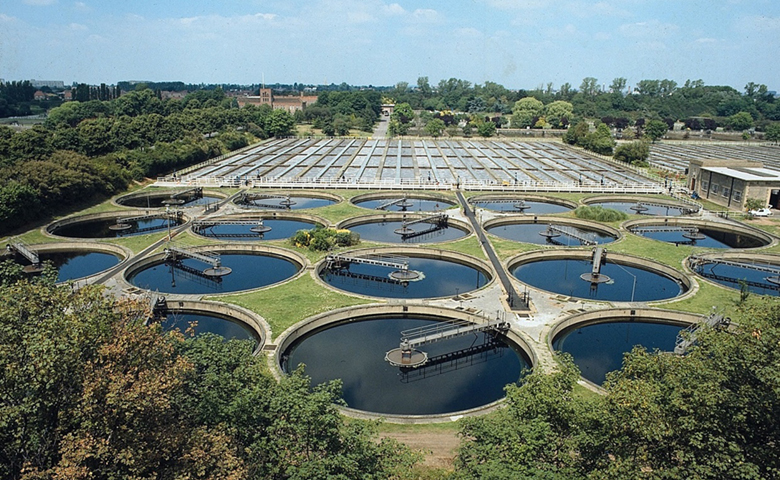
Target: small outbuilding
{"points": [[731, 182]]}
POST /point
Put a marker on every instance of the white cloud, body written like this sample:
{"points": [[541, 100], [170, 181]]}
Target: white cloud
{"points": [[393, 9], [77, 27], [81, 6], [426, 15], [706, 40], [39, 3]]}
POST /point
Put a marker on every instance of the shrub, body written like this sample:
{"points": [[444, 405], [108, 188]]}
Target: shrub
{"points": [[600, 214]]}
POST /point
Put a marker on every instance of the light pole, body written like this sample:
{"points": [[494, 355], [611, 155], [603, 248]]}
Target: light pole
{"points": [[633, 287], [168, 219]]}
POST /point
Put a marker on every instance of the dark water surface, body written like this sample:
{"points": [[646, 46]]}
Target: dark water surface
{"points": [[439, 278], [300, 203], [563, 277], [530, 233], [418, 205], [385, 232], [100, 228], [249, 271], [598, 349], [713, 238], [355, 352], [280, 229], [535, 207], [205, 323], [730, 276], [652, 210]]}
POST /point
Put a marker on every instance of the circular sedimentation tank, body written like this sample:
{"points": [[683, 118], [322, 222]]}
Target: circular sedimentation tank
{"points": [[280, 201], [758, 273], [551, 231], [438, 273], [462, 374], [631, 279], [198, 317], [597, 341], [183, 198], [527, 204], [250, 267], [407, 228], [116, 224], [273, 226], [700, 233], [73, 261], [643, 206], [403, 202]]}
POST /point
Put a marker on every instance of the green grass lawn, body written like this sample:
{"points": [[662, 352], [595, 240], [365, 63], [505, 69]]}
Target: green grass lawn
{"points": [[285, 305]]}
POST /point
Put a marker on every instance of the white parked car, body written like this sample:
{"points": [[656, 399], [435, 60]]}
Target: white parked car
{"points": [[761, 212]]}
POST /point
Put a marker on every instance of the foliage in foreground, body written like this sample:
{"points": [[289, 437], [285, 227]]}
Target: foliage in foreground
{"points": [[711, 414], [599, 213], [88, 392]]}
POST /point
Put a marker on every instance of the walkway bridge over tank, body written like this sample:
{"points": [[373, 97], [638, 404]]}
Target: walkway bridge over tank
{"points": [[558, 230], [686, 338], [407, 355], [697, 263]]}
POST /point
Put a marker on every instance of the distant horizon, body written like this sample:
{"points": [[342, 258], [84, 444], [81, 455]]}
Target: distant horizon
{"points": [[412, 86], [520, 44]]}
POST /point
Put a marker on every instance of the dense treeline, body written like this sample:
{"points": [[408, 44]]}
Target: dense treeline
{"points": [[15, 98], [96, 147], [87, 391], [700, 106], [337, 112]]}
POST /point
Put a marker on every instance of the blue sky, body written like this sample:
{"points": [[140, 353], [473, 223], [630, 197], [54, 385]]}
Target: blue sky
{"points": [[517, 43]]}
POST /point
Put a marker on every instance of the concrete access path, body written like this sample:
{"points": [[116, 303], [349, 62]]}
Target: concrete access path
{"points": [[515, 302]]}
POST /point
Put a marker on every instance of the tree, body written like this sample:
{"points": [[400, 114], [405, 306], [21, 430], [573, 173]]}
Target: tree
{"points": [[434, 127], [486, 129], [708, 414], [525, 110], [589, 86], [618, 85], [280, 123], [600, 141], [558, 113], [634, 153], [740, 121], [753, 203], [773, 133], [655, 129]]}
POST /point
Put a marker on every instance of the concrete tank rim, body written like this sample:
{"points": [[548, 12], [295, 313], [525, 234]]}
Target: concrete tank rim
{"points": [[543, 219], [51, 227], [258, 323], [613, 315], [318, 194], [398, 216], [342, 316], [622, 198], [741, 228], [380, 195], [681, 278], [315, 220], [532, 197], [235, 247], [772, 259], [457, 257], [164, 191], [124, 254]]}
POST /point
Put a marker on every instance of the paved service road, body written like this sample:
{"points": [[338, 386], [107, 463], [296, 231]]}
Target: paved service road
{"points": [[381, 130]]}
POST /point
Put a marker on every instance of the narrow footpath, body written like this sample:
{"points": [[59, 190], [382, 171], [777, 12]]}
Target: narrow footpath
{"points": [[516, 302]]}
